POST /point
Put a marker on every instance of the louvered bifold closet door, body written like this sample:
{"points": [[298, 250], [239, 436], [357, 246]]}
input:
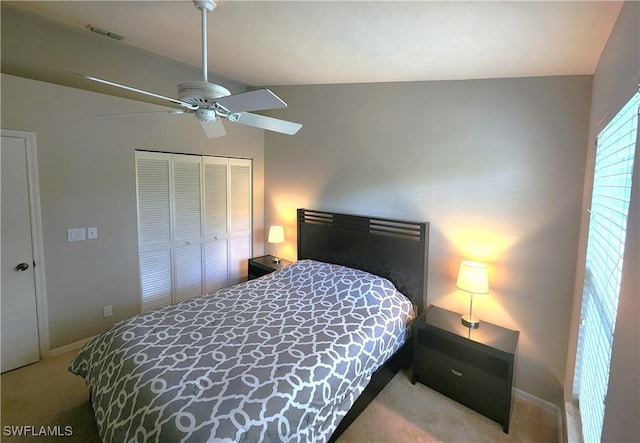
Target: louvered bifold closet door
{"points": [[239, 219], [154, 229], [187, 179], [215, 223]]}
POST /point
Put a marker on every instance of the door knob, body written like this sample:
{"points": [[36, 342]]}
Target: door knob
{"points": [[22, 267]]}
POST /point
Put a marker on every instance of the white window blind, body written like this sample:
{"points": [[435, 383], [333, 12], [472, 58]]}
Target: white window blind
{"points": [[603, 272]]}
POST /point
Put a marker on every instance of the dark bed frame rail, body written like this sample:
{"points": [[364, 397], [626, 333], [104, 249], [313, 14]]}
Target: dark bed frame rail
{"points": [[394, 249]]}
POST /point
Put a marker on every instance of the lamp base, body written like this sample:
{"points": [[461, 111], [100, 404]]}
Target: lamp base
{"points": [[470, 322], [275, 260]]}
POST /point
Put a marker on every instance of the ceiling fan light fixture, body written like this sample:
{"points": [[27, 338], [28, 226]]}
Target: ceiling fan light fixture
{"points": [[206, 115]]}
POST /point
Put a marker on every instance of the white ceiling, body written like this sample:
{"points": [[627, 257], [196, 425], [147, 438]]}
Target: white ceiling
{"points": [[316, 42]]}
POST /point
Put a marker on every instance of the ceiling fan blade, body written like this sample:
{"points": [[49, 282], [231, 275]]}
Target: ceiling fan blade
{"points": [[264, 122], [116, 114], [257, 100], [139, 91], [213, 128]]}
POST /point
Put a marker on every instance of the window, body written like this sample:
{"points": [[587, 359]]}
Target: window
{"points": [[610, 199]]}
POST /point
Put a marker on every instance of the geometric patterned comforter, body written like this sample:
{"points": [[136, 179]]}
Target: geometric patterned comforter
{"points": [[279, 358]]}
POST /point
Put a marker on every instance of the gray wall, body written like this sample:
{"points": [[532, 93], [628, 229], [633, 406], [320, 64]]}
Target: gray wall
{"points": [[615, 81], [87, 178], [496, 166]]}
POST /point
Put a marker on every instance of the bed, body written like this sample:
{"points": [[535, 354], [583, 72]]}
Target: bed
{"points": [[291, 356]]}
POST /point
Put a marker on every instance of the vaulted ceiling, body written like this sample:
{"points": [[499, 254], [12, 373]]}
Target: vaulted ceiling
{"points": [[313, 42]]}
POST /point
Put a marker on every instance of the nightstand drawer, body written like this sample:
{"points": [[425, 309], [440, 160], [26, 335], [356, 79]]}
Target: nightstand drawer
{"points": [[479, 390], [467, 354]]}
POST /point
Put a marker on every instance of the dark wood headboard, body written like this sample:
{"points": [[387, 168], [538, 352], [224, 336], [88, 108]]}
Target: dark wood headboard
{"points": [[397, 250]]}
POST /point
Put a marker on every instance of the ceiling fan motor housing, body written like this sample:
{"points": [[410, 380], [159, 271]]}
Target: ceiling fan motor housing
{"points": [[203, 95]]}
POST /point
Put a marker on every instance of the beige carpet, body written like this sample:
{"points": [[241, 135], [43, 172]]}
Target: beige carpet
{"points": [[46, 394], [403, 412]]}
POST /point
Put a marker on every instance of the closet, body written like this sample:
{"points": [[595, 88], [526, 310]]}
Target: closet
{"points": [[194, 225]]}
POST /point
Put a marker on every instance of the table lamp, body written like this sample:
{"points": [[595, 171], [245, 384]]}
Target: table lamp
{"points": [[276, 235], [472, 278]]}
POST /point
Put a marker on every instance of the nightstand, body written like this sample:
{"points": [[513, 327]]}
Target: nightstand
{"points": [[472, 366], [264, 265]]}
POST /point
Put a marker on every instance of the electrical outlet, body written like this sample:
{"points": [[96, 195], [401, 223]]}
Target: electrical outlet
{"points": [[107, 311], [92, 233]]}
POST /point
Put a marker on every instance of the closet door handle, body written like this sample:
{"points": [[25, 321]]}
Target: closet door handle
{"points": [[22, 267], [456, 373]]}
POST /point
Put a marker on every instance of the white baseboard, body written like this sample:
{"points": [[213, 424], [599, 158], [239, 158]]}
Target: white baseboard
{"points": [[70, 347], [546, 405]]}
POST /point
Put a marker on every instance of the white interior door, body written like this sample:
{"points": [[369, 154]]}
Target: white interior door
{"points": [[19, 327]]}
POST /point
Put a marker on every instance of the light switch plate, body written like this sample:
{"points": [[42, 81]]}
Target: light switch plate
{"points": [[92, 233], [76, 234]]}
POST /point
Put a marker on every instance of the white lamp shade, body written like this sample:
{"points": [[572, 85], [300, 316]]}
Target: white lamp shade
{"points": [[472, 277], [276, 234]]}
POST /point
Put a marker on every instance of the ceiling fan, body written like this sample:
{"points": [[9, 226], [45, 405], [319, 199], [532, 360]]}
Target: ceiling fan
{"points": [[210, 102]]}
